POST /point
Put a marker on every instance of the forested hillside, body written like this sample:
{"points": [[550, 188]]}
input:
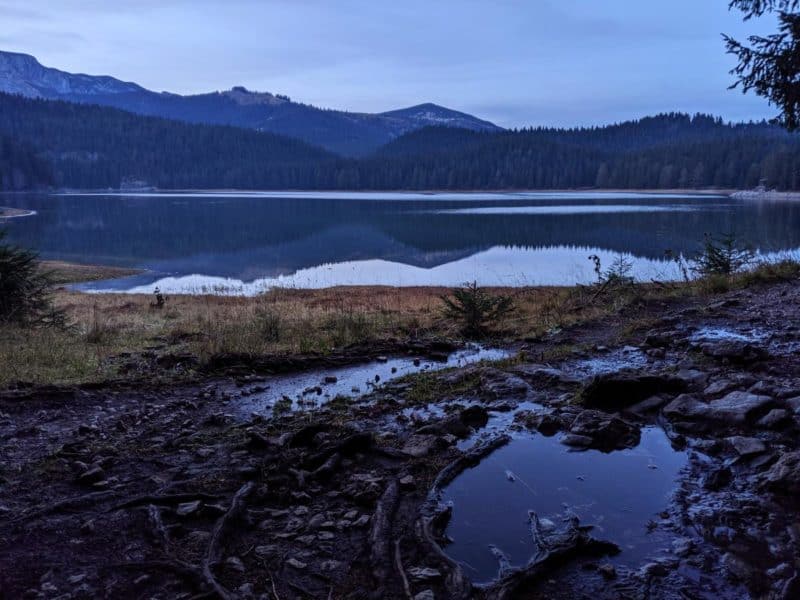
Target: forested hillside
{"points": [[20, 168], [96, 147]]}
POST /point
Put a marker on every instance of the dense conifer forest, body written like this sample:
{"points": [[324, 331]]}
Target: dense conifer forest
{"points": [[85, 146], [20, 167]]}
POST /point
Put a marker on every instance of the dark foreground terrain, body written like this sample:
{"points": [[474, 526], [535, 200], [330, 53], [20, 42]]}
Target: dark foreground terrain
{"points": [[220, 489]]}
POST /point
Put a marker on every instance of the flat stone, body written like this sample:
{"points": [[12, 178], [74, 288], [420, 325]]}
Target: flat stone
{"points": [[738, 407], [685, 406]]}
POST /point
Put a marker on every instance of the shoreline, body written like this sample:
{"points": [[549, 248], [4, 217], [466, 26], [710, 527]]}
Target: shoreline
{"points": [[765, 195], [15, 213], [670, 191]]}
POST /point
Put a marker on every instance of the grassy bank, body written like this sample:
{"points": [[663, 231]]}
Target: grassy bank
{"points": [[109, 332]]}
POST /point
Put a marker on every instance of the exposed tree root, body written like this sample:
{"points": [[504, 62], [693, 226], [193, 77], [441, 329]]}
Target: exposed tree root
{"points": [[214, 551], [380, 534]]}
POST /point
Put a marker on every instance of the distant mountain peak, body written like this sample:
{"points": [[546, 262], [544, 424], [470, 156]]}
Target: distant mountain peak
{"points": [[428, 113], [241, 95], [23, 74]]}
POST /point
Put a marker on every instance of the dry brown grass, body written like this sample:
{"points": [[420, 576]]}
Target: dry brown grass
{"points": [[104, 326], [280, 321]]}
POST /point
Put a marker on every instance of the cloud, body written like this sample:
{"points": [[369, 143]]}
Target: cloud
{"points": [[525, 61]]}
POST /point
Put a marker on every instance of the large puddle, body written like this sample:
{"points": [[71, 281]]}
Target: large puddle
{"points": [[620, 494], [314, 388]]}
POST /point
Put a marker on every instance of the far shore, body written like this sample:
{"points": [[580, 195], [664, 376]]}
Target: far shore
{"points": [[63, 272], [701, 192]]}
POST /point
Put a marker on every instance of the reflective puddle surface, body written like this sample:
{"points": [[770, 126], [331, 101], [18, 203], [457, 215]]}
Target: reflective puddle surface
{"points": [[314, 388], [620, 494]]}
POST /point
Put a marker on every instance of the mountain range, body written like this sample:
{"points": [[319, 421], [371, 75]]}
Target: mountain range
{"points": [[345, 133]]}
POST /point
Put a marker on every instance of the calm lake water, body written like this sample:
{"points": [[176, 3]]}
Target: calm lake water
{"points": [[245, 242]]}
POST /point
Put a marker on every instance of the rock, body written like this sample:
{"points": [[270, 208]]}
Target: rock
{"points": [[296, 564], [421, 574], [235, 563], [735, 351], [651, 404], [737, 408], [794, 404], [499, 385], [328, 566], [91, 476], [719, 387], [425, 595], [361, 521], [606, 432], [784, 476], [545, 423], [474, 416], [682, 547], [188, 508], [736, 568], [541, 374], [775, 419], [717, 479], [685, 406], [746, 446], [407, 482], [421, 445], [693, 378], [576, 441], [607, 570], [331, 379], [615, 391], [265, 551], [316, 521]]}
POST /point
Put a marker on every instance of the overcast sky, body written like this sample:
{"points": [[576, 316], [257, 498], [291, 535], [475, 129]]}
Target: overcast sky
{"points": [[515, 62]]}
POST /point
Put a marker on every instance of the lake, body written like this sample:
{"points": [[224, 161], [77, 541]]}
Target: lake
{"points": [[245, 242]]}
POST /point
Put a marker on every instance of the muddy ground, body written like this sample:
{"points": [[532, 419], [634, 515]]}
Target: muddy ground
{"points": [[132, 491]]}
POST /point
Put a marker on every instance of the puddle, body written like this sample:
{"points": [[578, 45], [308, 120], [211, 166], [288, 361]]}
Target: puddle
{"points": [[616, 360], [306, 390], [718, 334], [619, 493]]}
